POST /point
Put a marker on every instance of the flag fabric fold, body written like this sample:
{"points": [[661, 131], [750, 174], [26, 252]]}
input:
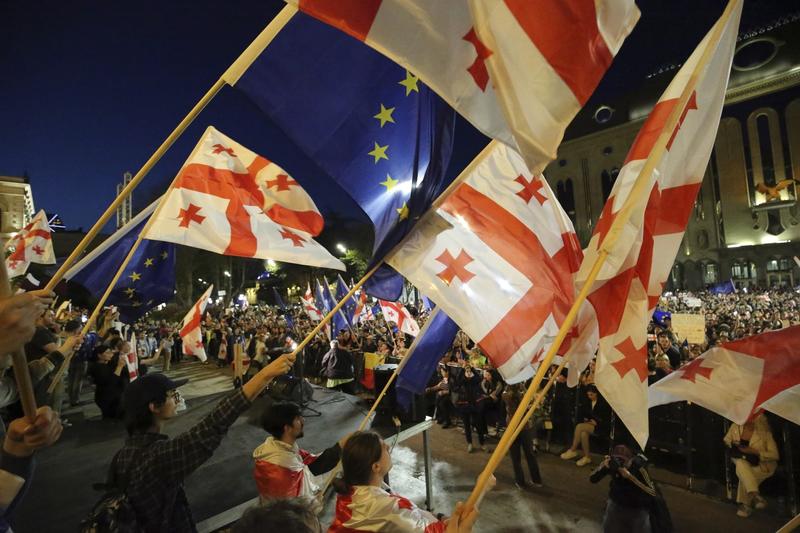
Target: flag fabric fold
{"points": [[498, 256], [339, 321], [147, 281], [739, 378], [630, 282], [191, 332], [518, 71], [397, 313], [286, 314], [229, 200], [32, 244]]}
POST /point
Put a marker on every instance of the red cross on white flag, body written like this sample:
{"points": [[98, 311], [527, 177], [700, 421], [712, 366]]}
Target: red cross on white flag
{"points": [[310, 306], [518, 71], [232, 201], [397, 313], [739, 378], [191, 332], [630, 283], [499, 263], [32, 244], [132, 359]]}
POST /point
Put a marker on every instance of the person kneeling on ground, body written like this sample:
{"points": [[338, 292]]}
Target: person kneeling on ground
{"points": [[365, 505], [631, 493], [151, 467], [282, 469]]}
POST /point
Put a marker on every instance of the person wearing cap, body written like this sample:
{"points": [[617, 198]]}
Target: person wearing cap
{"points": [[151, 467]]}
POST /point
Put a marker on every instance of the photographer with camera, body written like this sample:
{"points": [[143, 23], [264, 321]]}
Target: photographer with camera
{"points": [[631, 493]]}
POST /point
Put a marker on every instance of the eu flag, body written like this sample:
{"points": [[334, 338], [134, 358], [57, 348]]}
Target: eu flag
{"points": [[339, 321], [148, 280], [370, 125], [286, 314], [351, 304], [322, 303]]}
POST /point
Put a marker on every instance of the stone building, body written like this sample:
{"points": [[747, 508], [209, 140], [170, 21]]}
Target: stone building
{"points": [[16, 205], [745, 224]]}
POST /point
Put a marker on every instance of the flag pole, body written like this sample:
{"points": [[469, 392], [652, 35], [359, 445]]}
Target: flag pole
{"points": [[22, 374], [230, 77], [637, 192]]}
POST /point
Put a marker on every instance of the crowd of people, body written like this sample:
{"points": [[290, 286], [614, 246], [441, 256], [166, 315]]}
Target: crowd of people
{"points": [[465, 394]]}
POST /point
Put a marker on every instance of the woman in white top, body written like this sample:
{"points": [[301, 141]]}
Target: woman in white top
{"points": [[755, 454]]}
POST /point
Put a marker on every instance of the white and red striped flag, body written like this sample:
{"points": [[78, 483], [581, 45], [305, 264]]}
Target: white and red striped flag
{"points": [[397, 313], [518, 70], [630, 282], [232, 201], [737, 379], [33, 244], [498, 256], [191, 333], [132, 359], [310, 306]]}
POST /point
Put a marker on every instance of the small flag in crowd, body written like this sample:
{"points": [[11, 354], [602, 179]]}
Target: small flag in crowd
{"points": [[632, 278], [229, 200], [499, 257], [726, 287], [339, 321], [33, 244], [371, 360], [519, 71], [424, 354], [739, 378], [286, 314], [350, 305], [132, 358], [190, 330], [397, 313], [310, 306], [147, 281]]}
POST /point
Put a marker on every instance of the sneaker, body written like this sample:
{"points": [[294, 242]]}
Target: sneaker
{"points": [[537, 485], [469, 448], [760, 502], [569, 454], [66, 423], [492, 432], [484, 448], [585, 460], [521, 486], [744, 511]]}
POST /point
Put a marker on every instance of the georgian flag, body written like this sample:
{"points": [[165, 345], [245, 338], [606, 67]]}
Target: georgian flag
{"points": [[191, 333], [397, 313], [630, 282], [310, 306], [33, 244], [737, 379], [498, 256], [519, 71], [132, 359], [229, 200]]}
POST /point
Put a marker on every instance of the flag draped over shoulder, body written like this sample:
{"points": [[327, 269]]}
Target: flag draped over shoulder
{"points": [[368, 124], [32, 244], [191, 332], [147, 281], [498, 256], [737, 379], [630, 282], [518, 70], [232, 201]]}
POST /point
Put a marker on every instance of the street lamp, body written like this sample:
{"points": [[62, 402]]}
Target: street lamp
{"points": [[342, 248], [227, 274], [271, 263]]}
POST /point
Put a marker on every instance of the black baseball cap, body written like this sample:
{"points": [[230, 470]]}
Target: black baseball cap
{"points": [[148, 388]]}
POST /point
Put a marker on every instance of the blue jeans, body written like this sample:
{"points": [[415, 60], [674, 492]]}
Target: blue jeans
{"points": [[621, 519]]}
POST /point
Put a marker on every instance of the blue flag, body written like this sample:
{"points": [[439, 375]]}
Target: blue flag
{"points": [[339, 320], [726, 287], [351, 304], [420, 362], [367, 123], [148, 280], [322, 303], [286, 314]]}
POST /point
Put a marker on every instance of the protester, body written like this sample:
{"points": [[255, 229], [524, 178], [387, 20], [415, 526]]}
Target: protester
{"points": [[109, 374], [468, 400], [755, 454], [18, 316], [338, 364], [152, 467], [443, 404], [524, 441], [594, 415], [282, 469]]}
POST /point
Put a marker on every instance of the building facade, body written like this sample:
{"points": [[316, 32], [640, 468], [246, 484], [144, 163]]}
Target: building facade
{"points": [[745, 225], [16, 205]]}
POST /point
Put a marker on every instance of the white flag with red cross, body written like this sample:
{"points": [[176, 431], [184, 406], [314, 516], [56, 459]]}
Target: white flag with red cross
{"points": [[191, 332], [737, 379], [519, 71], [33, 244], [132, 359], [310, 306], [397, 313], [232, 201], [363, 311], [499, 256], [631, 280]]}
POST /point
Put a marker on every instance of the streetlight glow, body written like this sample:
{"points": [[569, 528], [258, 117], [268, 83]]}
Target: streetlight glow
{"points": [[341, 247], [227, 274]]}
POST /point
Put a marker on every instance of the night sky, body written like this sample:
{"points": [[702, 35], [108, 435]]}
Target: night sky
{"points": [[91, 88]]}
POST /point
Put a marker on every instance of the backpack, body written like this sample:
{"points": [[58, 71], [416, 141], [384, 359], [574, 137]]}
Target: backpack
{"points": [[114, 512]]}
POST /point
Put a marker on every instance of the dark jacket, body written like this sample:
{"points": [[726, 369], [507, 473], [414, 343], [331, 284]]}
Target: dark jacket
{"points": [[600, 413], [338, 364], [156, 466], [468, 391]]}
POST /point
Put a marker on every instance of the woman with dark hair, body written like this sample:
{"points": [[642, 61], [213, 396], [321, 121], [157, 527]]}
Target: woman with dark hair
{"points": [[109, 381], [468, 398], [366, 505], [594, 416], [338, 364]]}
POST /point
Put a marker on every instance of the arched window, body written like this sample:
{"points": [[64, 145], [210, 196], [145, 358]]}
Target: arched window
{"points": [[710, 273]]}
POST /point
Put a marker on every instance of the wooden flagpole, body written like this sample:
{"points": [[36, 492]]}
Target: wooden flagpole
{"points": [[230, 77], [638, 191]]}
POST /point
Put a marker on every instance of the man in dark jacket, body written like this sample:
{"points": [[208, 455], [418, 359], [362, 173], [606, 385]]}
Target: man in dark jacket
{"points": [[154, 465]]}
